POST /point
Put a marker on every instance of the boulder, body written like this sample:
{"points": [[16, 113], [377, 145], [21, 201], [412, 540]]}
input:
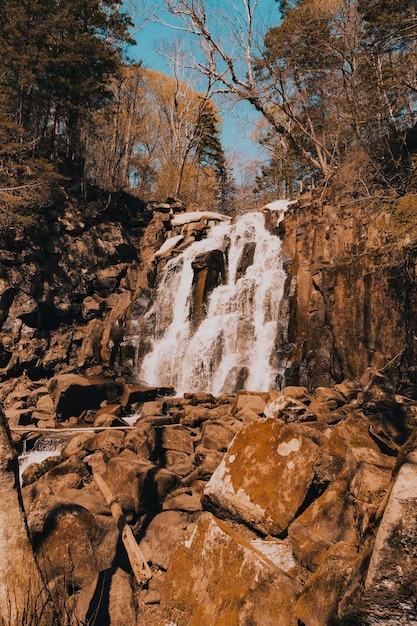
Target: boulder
{"points": [[174, 437], [289, 409], [108, 599], [142, 393], [163, 534], [389, 587], [178, 463], [246, 415], [92, 306], [155, 407], [139, 486], [266, 499], [72, 394], [180, 501], [318, 604], [108, 420], [77, 444], [195, 415], [109, 441], [217, 435], [22, 589], [200, 397], [330, 519], [64, 556], [226, 581], [207, 462], [140, 440], [249, 401]]}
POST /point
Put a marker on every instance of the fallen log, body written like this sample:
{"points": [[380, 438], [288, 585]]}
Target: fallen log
{"points": [[140, 568]]}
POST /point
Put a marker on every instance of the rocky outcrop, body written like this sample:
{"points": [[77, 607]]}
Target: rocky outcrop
{"points": [[68, 282], [350, 297]]}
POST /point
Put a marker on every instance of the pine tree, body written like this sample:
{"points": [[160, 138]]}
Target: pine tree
{"points": [[57, 60]]}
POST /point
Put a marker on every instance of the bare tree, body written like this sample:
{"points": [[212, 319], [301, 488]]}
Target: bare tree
{"points": [[230, 41]]}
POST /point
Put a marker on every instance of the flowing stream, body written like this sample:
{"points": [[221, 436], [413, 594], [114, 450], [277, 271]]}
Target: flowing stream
{"points": [[233, 344], [44, 448]]}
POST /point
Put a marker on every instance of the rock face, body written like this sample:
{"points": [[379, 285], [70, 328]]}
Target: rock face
{"points": [[350, 296]]}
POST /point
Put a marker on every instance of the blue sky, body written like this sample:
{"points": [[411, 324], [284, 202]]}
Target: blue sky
{"points": [[237, 122]]}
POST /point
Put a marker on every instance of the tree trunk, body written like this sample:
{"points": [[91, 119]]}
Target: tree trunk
{"points": [[24, 598]]}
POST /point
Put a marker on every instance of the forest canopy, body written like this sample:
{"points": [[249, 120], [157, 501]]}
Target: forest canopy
{"points": [[333, 81]]}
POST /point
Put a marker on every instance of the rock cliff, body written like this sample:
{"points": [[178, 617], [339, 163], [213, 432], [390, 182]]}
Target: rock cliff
{"points": [[290, 507], [350, 296]]}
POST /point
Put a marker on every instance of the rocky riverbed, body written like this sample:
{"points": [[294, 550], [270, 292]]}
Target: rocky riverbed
{"points": [[290, 507]]}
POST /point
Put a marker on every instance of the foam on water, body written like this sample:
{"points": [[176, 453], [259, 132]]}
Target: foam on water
{"points": [[237, 335]]}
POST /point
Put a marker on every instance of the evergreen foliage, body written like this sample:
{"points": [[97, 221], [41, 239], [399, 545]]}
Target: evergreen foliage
{"points": [[57, 60]]}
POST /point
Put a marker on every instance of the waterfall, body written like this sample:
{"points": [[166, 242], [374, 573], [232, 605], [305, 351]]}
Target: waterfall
{"points": [[217, 332], [44, 448]]}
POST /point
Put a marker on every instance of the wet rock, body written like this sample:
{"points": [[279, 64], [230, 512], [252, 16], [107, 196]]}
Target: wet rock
{"points": [[209, 271], [246, 259]]}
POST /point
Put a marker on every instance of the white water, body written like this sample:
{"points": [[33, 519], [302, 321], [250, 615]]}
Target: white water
{"points": [[44, 448], [240, 327]]}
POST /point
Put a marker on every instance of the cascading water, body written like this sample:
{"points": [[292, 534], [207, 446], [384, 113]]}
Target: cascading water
{"points": [[225, 342], [44, 448]]}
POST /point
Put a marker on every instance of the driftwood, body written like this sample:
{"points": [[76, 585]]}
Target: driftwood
{"points": [[140, 567]]}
